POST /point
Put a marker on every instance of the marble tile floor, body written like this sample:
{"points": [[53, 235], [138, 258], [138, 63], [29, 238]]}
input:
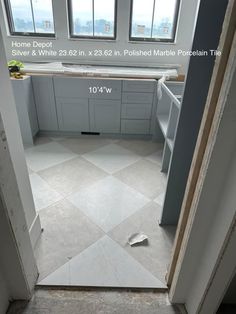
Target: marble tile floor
{"points": [[92, 194]]}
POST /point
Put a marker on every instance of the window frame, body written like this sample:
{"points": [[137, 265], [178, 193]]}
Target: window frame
{"points": [[70, 22], [155, 40], [24, 34]]}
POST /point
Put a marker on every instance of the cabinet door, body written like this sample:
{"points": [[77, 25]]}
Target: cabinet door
{"points": [[73, 114], [105, 115], [45, 102], [71, 87]]}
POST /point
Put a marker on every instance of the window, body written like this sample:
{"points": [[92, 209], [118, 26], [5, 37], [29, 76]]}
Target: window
{"points": [[30, 17], [93, 18], [154, 20]]}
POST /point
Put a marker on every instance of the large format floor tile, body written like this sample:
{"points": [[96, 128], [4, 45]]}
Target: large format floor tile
{"points": [[160, 199], [156, 157], [67, 232], [85, 144], [141, 147], [104, 264], [145, 177], [70, 176], [47, 155], [43, 194], [155, 256], [108, 202], [112, 158]]}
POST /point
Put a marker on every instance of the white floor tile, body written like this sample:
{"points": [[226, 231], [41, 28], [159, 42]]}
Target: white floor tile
{"points": [[111, 158], [43, 194], [104, 263], [160, 199], [108, 202], [47, 155]]}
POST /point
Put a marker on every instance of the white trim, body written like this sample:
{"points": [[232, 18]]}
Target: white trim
{"points": [[35, 230]]}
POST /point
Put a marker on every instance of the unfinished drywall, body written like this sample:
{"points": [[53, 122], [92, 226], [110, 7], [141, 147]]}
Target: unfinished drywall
{"points": [[185, 29], [4, 294], [12, 129]]}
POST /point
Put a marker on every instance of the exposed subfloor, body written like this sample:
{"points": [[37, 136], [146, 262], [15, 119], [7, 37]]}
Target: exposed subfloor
{"points": [[92, 194], [95, 302]]}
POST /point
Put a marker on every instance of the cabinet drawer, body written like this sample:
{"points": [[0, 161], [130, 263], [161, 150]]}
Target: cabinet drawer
{"points": [[104, 89], [137, 98], [71, 87], [136, 111], [138, 86], [73, 114], [135, 126]]}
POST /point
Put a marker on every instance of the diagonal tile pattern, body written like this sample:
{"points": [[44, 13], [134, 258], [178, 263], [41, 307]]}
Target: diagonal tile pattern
{"points": [[145, 177], [111, 158], [93, 193], [43, 194], [70, 176], [155, 255], [67, 232], [108, 202], [47, 155], [87, 269]]}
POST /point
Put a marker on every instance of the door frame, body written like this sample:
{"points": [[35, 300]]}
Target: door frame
{"points": [[214, 109]]}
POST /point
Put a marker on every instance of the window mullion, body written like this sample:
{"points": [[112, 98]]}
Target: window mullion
{"points": [[153, 13], [32, 12]]}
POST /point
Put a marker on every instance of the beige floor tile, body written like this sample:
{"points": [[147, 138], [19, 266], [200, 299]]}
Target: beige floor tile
{"points": [[67, 232], [141, 147], [155, 256], [84, 145], [69, 177], [144, 176]]}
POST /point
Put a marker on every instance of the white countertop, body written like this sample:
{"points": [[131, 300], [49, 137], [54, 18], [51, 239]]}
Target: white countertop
{"points": [[99, 71]]}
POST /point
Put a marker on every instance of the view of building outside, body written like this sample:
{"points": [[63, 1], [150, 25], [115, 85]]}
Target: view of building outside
{"points": [[101, 22], [97, 17], [32, 17], [163, 16]]}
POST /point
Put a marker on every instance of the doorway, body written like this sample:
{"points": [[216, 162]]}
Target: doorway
{"points": [[92, 194]]}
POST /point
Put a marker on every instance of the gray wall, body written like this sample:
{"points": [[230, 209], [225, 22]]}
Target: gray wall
{"points": [[207, 35], [4, 295], [183, 40], [230, 296]]}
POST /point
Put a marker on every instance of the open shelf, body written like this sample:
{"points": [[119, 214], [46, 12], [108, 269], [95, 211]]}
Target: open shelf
{"points": [[168, 110], [163, 122], [170, 143]]}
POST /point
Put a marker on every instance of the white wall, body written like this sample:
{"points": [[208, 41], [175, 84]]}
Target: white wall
{"points": [[17, 262], [183, 40], [10, 119]]}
